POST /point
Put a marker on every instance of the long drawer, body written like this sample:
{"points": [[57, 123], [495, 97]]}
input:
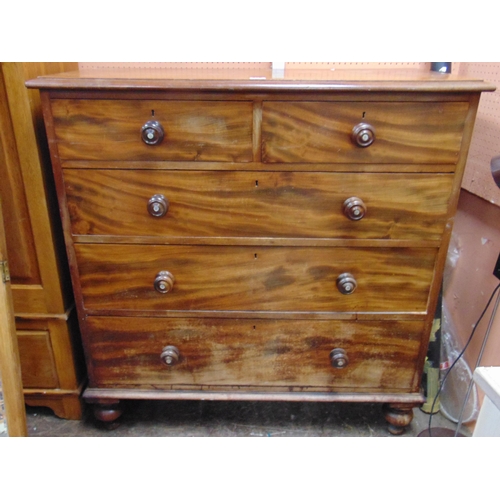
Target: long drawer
{"points": [[246, 278], [263, 204], [272, 354], [321, 132], [193, 130]]}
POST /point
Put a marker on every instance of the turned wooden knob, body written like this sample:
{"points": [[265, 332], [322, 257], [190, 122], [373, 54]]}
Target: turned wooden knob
{"points": [[164, 282], [170, 355], [152, 133], [339, 358], [354, 208], [346, 283], [158, 205], [363, 134]]}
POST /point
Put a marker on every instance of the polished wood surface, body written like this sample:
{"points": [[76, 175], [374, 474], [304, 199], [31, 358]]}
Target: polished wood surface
{"points": [[30, 207], [320, 132], [194, 130], [264, 204], [317, 81], [121, 277], [258, 166], [41, 285], [229, 261], [20, 244], [37, 361], [268, 354], [11, 388]]}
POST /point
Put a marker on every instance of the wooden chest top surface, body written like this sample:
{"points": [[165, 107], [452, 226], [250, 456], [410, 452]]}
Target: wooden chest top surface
{"points": [[245, 79]]}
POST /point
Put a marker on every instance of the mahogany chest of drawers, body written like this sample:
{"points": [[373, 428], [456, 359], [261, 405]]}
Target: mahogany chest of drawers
{"points": [[257, 239]]}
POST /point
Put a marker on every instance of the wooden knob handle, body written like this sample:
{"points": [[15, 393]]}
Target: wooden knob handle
{"points": [[363, 134], [339, 358], [152, 133], [164, 282], [354, 208], [346, 283], [170, 355], [158, 205]]}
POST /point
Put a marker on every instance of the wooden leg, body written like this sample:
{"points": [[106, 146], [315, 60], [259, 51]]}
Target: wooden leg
{"points": [[67, 406], [108, 412], [398, 415]]}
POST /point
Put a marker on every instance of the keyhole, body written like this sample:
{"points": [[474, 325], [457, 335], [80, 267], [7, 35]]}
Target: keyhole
{"points": [[152, 112], [364, 113], [255, 256], [256, 184]]}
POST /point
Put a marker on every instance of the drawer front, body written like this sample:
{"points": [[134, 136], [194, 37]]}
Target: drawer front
{"points": [[257, 204], [193, 130], [320, 132], [272, 354], [240, 278]]}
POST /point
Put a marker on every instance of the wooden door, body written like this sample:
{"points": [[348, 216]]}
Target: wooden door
{"points": [[10, 367]]}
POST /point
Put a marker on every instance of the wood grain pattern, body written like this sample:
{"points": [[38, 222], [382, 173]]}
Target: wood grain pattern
{"points": [[320, 132], [41, 277], [41, 286], [264, 204], [120, 277], [194, 130], [20, 241], [341, 81], [64, 403], [254, 235], [251, 393], [215, 166], [382, 355], [10, 365], [37, 362]]}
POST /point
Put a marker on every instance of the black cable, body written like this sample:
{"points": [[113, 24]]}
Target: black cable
{"points": [[460, 355]]}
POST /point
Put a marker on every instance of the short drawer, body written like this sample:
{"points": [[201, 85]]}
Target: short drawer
{"points": [[237, 353], [241, 278], [257, 204], [322, 132], [193, 130]]}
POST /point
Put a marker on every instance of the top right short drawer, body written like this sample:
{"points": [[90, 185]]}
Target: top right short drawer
{"points": [[337, 132]]}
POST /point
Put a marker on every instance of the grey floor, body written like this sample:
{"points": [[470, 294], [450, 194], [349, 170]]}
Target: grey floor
{"points": [[233, 419]]}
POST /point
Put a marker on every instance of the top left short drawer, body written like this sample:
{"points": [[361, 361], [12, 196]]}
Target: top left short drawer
{"points": [[87, 129]]}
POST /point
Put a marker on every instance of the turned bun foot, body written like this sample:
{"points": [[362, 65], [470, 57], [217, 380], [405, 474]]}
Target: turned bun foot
{"points": [[399, 416], [108, 414]]}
